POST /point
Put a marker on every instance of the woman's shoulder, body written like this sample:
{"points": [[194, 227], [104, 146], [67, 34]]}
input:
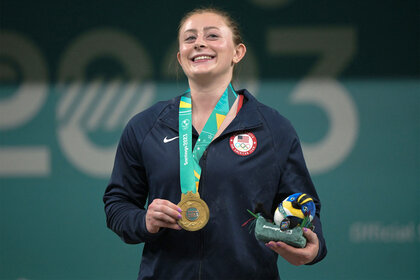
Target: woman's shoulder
{"points": [[268, 113]]}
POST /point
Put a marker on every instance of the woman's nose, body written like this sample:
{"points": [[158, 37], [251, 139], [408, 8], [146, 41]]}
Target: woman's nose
{"points": [[199, 46], [199, 43]]}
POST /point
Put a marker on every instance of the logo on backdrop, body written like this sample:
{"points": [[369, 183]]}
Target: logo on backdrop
{"points": [[99, 107], [243, 144]]}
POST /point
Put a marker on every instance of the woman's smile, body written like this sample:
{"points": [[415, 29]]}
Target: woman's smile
{"points": [[202, 58]]}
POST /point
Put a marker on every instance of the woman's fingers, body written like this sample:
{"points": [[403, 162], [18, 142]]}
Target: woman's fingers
{"points": [[165, 208], [311, 236], [162, 213], [297, 256]]}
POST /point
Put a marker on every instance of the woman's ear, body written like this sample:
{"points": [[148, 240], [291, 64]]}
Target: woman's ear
{"points": [[240, 51], [178, 56]]}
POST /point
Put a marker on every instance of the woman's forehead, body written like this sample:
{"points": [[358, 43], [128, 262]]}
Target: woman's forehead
{"points": [[203, 20]]}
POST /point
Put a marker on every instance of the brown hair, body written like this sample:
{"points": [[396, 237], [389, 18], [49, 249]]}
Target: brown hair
{"points": [[230, 22]]}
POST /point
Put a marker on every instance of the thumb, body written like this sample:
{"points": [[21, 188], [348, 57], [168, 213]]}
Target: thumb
{"points": [[310, 235]]}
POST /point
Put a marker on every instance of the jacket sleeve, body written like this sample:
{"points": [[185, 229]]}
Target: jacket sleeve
{"points": [[127, 191], [295, 178]]}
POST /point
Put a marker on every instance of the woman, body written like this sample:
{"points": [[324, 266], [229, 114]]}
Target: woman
{"points": [[253, 156]]}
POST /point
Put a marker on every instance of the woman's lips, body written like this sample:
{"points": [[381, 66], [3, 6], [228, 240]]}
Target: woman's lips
{"points": [[202, 58]]}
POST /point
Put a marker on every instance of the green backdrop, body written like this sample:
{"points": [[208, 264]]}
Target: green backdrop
{"points": [[346, 73]]}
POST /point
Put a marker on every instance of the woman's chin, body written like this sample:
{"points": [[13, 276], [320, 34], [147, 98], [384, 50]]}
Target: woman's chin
{"points": [[209, 73], [200, 74]]}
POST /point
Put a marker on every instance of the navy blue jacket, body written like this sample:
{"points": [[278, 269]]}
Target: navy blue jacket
{"points": [[147, 168]]}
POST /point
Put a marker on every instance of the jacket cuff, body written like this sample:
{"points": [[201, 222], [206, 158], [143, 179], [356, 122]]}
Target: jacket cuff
{"points": [[146, 236]]}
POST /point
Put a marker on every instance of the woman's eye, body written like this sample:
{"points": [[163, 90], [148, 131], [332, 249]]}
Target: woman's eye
{"points": [[213, 36], [190, 38]]}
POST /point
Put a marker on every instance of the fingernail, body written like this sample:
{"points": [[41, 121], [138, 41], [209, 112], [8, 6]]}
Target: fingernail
{"points": [[268, 245], [305, 229], [179, 216], [179, 210]]}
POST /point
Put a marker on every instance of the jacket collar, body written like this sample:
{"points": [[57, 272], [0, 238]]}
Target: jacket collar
{"points": [[247, 118]]}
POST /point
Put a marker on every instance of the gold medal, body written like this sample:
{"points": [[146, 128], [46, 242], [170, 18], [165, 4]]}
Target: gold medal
{"points": [[195, 212]]}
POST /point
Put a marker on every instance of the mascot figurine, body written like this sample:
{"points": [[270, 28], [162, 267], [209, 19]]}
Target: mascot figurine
{"points": [[292, 211], [292, 214]]}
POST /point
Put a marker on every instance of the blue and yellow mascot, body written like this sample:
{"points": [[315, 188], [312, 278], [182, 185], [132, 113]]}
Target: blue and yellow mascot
{"points": [[292, 211]]}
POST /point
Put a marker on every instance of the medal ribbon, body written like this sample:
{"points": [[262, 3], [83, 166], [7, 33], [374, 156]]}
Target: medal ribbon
{"points": [[190, 169]]}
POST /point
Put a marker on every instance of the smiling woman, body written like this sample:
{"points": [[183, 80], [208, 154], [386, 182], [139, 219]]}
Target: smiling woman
{"points": [[190, 238]]}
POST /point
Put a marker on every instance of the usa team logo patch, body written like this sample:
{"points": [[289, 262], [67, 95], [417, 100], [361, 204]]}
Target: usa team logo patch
{"points": [[243, 144]]}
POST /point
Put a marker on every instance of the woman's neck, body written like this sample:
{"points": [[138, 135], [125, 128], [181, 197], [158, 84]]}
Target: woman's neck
{"points": [[204, 97]]}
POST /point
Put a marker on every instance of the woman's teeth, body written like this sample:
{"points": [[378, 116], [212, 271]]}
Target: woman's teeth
{"points": [[203, 57]]}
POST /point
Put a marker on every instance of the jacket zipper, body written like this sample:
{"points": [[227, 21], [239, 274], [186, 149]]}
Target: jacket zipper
{"points": [[201, 185]]}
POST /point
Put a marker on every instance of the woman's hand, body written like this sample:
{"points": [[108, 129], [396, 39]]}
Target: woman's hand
{"points": [[162, 213], [297, 256]]}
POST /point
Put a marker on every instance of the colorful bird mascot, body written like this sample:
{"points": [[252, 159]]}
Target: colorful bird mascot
{"points": [[292, 211], [292, 214]]}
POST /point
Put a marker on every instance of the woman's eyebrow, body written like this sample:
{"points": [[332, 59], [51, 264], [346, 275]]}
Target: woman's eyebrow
{"points": [[205, 29]]}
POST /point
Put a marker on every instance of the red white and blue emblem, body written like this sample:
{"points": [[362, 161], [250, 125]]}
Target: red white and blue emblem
{"points": [[243, 144]]}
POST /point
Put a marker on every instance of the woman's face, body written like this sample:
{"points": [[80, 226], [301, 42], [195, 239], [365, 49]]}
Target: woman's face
{"points": [[206, 47]]}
